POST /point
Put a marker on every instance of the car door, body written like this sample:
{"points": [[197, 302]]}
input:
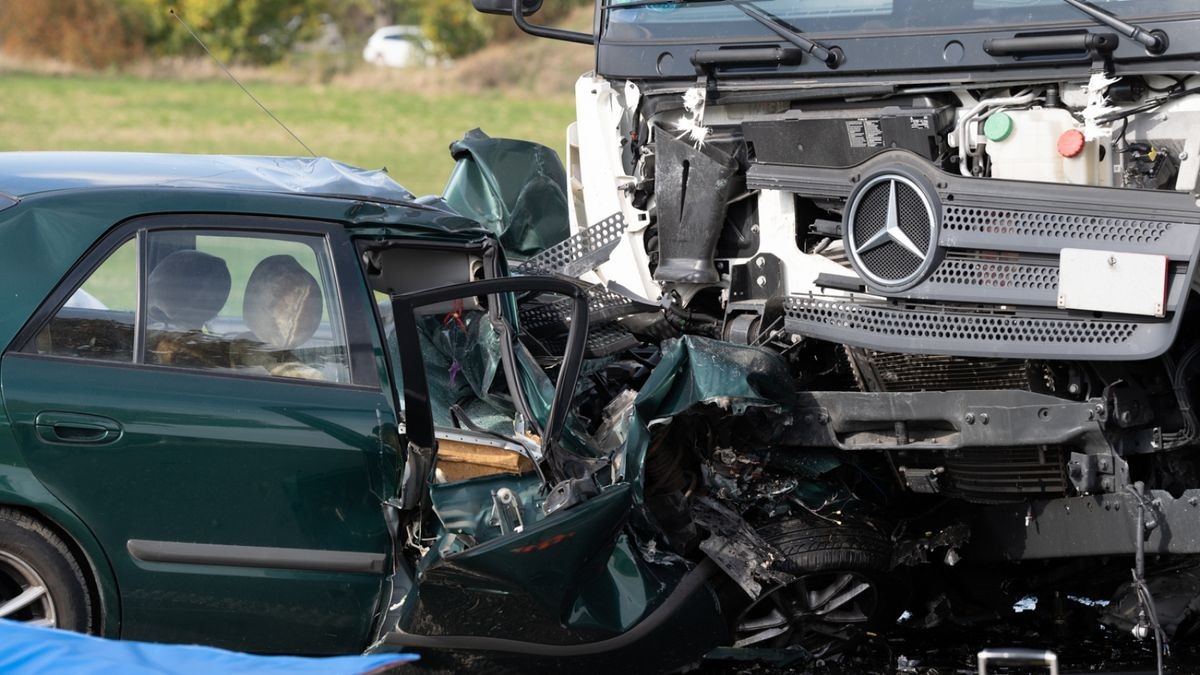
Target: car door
{"points": [[512, 541], [202, 392]]}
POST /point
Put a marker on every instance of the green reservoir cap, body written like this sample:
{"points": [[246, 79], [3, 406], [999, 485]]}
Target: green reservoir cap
{"points": [[998, 127]]}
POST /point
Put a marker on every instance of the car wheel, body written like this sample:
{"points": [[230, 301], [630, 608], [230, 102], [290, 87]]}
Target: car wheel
{"points": [[41, 583], [842, 588]]}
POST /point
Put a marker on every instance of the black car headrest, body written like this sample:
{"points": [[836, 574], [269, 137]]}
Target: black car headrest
{"points": [[187, 289]]}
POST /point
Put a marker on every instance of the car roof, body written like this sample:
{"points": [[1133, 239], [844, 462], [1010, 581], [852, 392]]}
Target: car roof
{"points": [[28, 173]]}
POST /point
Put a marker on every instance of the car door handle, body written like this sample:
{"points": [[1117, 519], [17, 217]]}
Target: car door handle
{"points": [[81, 428]]}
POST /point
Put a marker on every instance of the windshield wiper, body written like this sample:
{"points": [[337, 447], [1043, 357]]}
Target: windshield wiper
{"points": [[1155, 41], [830, 57]]}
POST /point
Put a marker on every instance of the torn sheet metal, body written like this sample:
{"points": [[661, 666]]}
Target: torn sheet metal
{"points": [[701, 370], [516, 189], [1098, 105], [696, 370], [738, 549]]}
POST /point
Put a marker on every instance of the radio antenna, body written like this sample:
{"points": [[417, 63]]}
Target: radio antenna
{"points": [[239, 84]]}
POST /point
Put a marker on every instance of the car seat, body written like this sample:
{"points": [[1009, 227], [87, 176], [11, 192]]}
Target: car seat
{"points": [[282, 308], [186, 290]]}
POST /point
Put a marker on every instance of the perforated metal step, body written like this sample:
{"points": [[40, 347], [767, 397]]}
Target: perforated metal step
{"points": [[605, 337], [603, 306], [579, 253], [601, 341], [609, 340]]}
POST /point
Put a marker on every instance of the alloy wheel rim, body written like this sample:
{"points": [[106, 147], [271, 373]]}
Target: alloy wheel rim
{"points": [[24, 595], [821, 612]]}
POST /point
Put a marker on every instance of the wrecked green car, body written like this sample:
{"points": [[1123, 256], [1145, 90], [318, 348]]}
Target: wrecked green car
{"points": [[280, 405]]}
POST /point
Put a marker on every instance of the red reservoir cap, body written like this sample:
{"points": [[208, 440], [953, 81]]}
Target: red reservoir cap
{"points": [[1071, 143]]}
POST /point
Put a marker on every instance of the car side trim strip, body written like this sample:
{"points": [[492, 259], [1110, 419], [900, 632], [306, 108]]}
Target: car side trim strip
{"points": [[227, 555]]}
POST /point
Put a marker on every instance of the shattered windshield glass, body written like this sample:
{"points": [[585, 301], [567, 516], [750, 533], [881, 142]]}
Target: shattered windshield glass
{"points": [[682, 19]]}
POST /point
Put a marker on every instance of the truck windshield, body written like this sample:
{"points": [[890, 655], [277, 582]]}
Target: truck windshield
{"points": [[640, 21]]}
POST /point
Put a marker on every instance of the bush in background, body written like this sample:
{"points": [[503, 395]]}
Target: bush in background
{"points": [[247, 31], [104, 33], [108, 33], [454, 27], [96, 33]]}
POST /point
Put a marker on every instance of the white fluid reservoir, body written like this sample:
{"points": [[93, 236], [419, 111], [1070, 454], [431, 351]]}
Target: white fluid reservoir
{"points": [[1047, 145]]}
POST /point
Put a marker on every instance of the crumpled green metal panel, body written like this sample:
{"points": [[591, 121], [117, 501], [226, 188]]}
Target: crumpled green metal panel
{"points": [[462, 356], [696, 370], [517, 189]]}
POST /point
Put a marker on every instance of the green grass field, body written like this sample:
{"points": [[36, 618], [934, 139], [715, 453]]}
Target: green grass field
{"points": [[406, 132]]}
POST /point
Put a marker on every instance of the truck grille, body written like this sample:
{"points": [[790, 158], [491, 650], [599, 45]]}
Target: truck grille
{"points": [[973, 331], [992, 287], [1008, 223]]}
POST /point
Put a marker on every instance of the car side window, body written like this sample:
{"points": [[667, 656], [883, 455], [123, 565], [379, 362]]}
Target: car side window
{"points": [[98, 320], [255, 304], [236, 302]]}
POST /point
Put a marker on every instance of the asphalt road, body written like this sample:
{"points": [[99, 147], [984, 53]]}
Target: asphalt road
{"points": [[940, 651]]}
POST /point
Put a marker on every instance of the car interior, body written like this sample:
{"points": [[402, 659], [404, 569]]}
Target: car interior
{"points": [[473, 411]]}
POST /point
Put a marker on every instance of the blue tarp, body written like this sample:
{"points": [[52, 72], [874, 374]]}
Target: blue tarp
{"points": [[30, 650]]}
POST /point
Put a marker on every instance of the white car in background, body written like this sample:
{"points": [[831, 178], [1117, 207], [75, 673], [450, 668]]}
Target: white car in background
{"points": [[399, 47]]}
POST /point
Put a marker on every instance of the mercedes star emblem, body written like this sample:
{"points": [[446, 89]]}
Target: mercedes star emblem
{"points": [[891, 231]]}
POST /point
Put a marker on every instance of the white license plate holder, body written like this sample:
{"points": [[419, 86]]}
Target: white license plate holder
{"points": [[1107, 281]]}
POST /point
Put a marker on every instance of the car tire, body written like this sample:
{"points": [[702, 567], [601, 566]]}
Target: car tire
{"points": [[843, 587], [813, 544], [32, 557]]}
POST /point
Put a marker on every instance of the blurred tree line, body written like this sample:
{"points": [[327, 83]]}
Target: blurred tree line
{"points": [[108, 33]]}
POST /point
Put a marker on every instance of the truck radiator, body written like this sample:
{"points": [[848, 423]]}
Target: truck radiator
{"points": [[886, 371], [992, 475]]}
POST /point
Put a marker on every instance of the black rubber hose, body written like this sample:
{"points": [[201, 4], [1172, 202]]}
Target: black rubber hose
{"points": [[691, 582], [1145, 598]]}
